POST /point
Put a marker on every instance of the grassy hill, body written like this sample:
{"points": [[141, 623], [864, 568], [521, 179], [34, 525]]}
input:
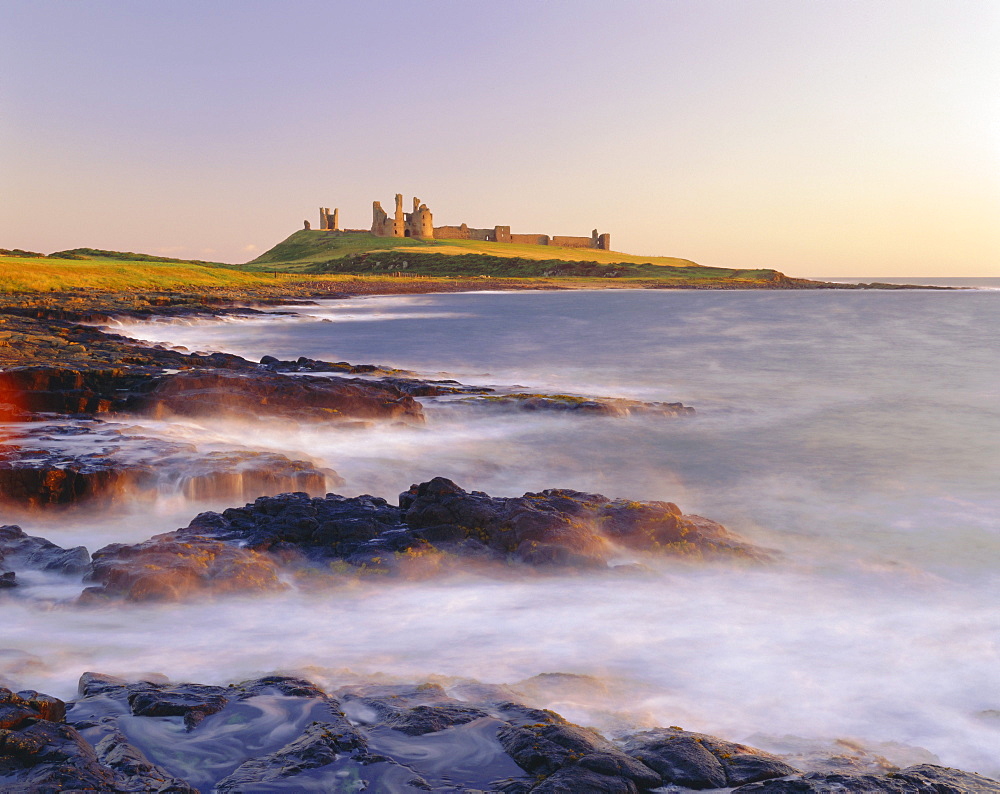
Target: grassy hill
{"points": [[313, 251], [362, 263], [116, 273]]}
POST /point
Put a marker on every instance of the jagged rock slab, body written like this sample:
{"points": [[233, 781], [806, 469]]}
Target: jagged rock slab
{"points": [[599, 406], [244, 548], [280, 733], [232, 387], [697, 761], [920, 779], [96, 463], [251, 395], [19, 551]]}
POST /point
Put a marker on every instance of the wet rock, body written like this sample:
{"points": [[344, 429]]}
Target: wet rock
{"points": [[68, 390], [166, 568], [563, 527], [577, 778], [698, 761], [193, 702], [250, 395], [246, 474], [303, 364], [597, 406], [280, 733], [289, 686], [46, 706], [136, 772], [20, 550], [428, 719], [99, 463], [920, 779], [32, 480], [244, 548], [434, 388], [570, 756], [320, 745], [39, 754], [939, 779], [8, 579], [324, 527], [241, 548]]}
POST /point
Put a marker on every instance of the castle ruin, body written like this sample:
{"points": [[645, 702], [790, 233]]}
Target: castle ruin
{"points": [[420, 224]]}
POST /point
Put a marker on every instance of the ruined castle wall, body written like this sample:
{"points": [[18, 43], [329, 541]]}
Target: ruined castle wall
{"points": [[464, 232], [573, 242], [530, 239], [486, 235], [451, 233]]}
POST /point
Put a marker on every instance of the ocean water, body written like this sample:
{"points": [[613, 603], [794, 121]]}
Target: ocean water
{"points": [[857, 433]]}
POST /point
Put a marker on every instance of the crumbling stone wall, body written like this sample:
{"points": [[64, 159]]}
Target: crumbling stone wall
{"points": [[571, 242], [498, 234], [530, 239]]}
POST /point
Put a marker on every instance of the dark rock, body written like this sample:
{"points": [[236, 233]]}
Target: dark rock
{"points": [[136, 771], [534, 754], [8, 579], [75, 390], [427, 719], [246, 474], [97, 684], [26, 551], [47, 707], [303, 364], [28, 480], [193, 702], [598, 406], [289, 686], [569, 755], [434, 388], [320, 745], [46, 466], [563, 527], [401, 695], [933, 779], [42, 754], [698, 761], [167, 568], [251, 395], [576, 778], [243, 548], [328, 527], [921, 779], [48, 756], [326, 751]]}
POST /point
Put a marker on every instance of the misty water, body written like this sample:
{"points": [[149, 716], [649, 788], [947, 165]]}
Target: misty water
{"points": [[857, 433]]}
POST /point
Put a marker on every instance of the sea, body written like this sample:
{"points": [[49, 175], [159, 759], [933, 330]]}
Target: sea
{"points": [[855, 432]]}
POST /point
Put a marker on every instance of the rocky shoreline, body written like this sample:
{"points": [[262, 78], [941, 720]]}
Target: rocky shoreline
{"points": [[281, 733], [67, 389]]}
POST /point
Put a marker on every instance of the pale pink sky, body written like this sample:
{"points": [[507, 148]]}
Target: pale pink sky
{"points": [[833, 137]]}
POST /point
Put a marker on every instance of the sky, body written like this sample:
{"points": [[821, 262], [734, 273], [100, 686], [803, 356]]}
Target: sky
{"points": [[817, 137]]}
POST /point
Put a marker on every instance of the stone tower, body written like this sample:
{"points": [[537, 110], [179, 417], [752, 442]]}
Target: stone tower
{"points": [[419, 223], [379, 220], [398, 219]]}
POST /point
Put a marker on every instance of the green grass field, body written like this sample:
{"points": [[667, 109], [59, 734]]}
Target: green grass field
{"points": [[311, 251], [309, 257], [312, 246], [33, 274]]}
